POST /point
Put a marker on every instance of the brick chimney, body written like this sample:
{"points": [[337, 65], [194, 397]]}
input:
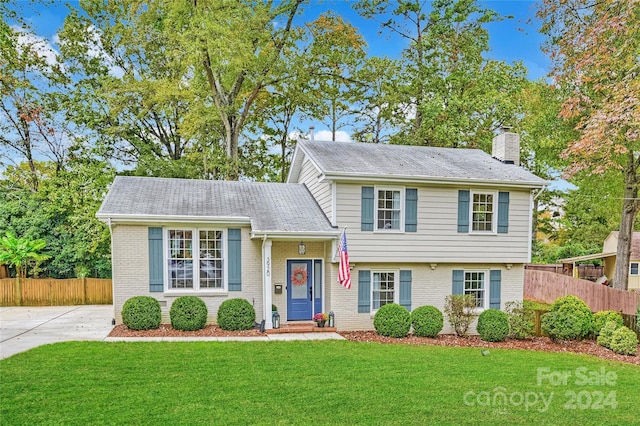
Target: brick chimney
{"points": [[506, 146]]}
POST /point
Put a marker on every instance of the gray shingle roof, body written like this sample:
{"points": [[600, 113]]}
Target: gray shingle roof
{"points": [[271, 207], [416, 162]]}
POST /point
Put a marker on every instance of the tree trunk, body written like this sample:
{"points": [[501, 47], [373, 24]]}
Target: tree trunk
{"points": [[629, 212]]}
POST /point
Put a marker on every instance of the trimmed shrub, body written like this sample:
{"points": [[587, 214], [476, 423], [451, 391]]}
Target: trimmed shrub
{"points": [[460, 311], [141, 313], [624, 341], [392, 320], [606, 333], [521, 319], [188, 313], [236, 314], [569, 319], [493, 325], [427, 321], [603, 317]]}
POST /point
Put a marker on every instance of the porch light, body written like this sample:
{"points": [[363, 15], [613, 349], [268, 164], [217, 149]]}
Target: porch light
{"points": [[276, 320], [332, 319], [302, 248]]}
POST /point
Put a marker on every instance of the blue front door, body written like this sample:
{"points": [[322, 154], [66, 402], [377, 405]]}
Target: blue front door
{"points": [[299, 290]]}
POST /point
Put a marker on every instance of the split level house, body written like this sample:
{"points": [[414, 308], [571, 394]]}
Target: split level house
{"points": [[421, 223]]}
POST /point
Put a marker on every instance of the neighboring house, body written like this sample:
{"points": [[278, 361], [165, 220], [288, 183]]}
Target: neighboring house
{"points": [[609, 255], [422, 223]]}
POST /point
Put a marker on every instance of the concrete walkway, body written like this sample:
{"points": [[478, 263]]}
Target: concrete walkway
{"points": [[24, 328]]}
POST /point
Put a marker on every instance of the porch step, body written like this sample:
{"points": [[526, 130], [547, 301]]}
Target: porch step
{"points": [[303, 327]]}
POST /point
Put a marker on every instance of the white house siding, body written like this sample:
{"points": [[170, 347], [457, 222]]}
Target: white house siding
{"points": [[131, 273], [321, 190], [428, 287], [281, 252], [436, 239]]}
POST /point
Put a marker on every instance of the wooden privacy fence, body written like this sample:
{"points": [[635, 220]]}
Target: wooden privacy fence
{"points": [[55, 292], [548, 286]]}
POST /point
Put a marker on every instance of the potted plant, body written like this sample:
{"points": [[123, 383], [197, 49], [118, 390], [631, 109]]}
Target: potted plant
{"points": [[320, 318]]}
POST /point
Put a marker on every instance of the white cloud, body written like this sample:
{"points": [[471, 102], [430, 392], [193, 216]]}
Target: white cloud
{"points": [[325, 135], [38, 45]]}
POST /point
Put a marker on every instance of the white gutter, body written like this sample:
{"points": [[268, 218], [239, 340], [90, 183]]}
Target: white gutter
{"points": [[440, 180], [283, 235], [135, 218]]}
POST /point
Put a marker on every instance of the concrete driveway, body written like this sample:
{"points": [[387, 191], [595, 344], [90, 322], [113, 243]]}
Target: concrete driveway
{"points": [[24, 328]]}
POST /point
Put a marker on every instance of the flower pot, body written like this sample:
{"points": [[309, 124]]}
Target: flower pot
{"points": [[321, 323]]}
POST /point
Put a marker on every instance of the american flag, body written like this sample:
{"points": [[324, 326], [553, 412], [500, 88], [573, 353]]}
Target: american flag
{"points": [[344, 273]]}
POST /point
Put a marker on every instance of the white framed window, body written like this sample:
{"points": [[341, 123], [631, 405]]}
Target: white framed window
{"points": [[195, 259], [389, 208], [633, 268], [475, 284], [483, 212], [384, 288]]}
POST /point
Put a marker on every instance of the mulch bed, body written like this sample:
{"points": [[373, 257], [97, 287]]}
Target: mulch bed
{"points": [[588, 347]]}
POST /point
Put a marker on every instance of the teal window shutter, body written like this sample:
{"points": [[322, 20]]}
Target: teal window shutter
{"points": [[495, 278], [405, 289], [411, 210], [366, 218], [234, 263], [156, 260], [457, 286], [364, 291], [463, 210], [503, 212]]}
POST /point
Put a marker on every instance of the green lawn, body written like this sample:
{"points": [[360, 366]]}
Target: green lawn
{"points": [[323, 382]]}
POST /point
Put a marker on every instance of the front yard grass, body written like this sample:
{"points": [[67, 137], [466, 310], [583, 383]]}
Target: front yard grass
{"points": [[319, 382]]}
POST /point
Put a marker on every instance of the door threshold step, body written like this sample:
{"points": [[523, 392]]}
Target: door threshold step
{"points": [[301, 328]]}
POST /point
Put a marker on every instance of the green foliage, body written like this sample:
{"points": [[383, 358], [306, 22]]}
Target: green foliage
{"points": [[493, 325], [603, 317], [141, 313], [61, 212], [606, 333], [521, 320], [17, 252], [427, 321], [460, 311], [569, 319], [188, 313], [236, 314], [392, 320], [624, 341]]}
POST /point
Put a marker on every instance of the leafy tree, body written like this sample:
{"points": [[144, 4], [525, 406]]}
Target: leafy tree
{"points": [[17, 252], [594, 47], [29, 78], [457, 96]]}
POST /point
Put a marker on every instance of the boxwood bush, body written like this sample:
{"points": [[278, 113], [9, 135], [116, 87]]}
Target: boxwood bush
{"points": [[603, 317], [188, 313], [569, 319], [236, 314], [392, 320], [624, 341], [427, 321], [141, 313], [606, 333], [493, 325]]}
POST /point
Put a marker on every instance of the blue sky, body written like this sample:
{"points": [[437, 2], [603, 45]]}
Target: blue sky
{"points": [[511, 40]]}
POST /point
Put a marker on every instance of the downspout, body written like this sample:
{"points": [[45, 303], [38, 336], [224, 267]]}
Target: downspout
{"points": [[532, 203], [113, 271]]}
